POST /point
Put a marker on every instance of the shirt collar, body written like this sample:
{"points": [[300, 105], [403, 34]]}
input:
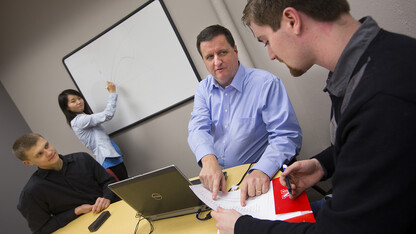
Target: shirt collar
{"points": [[238, 79], [45, 172], [337, 81]]}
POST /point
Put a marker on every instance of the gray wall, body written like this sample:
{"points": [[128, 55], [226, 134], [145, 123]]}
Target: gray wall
{"points": [[36, 35], [13, 174]]}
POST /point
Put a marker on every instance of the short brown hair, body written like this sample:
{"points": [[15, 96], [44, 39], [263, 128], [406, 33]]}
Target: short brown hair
{"points": [[24, 143], [269, 12], [212, 31]]}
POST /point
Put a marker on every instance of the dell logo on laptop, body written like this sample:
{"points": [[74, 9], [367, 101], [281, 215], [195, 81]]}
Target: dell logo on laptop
{"points": [[156, 196]]}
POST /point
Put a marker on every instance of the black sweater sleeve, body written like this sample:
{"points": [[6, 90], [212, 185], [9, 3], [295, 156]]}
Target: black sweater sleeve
{"points": [[326, 159], [39, 219]]}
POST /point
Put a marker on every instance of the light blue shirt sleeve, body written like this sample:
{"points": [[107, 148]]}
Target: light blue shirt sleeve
{"points": [[200, 138], [285, 135], [252, 120], [86, 121]]}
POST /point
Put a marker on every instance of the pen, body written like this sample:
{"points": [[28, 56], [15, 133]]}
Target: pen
{"points": [[289, 188]]}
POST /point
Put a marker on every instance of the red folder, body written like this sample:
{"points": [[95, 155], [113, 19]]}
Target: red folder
{"points": [[302, 218], [283, 204]]}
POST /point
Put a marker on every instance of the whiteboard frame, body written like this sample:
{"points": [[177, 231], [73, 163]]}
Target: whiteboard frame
{"points": [[165, 108]]}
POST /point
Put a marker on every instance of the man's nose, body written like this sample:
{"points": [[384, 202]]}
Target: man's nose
{"points": [[217, 60], [48, 151], [272, 55]]}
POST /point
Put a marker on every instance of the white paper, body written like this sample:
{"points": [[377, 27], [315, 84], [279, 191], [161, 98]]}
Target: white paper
{"points": [[261, 207]]}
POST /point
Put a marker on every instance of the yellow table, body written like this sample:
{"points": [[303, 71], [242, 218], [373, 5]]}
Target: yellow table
{"points": [[123, 217]]}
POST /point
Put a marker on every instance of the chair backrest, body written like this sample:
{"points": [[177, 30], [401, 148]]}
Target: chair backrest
{"points": [[109, 171]]}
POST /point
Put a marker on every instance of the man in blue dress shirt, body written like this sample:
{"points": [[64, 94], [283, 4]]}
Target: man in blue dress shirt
{"points": [[241, 115]]}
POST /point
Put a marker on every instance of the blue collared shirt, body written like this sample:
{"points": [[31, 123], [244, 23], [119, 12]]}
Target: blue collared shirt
{"points": [[251, 120]]}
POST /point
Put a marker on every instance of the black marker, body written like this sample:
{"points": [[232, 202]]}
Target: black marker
{"points": [[289, 188]]}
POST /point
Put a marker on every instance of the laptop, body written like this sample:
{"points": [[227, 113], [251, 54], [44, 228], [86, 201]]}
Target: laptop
{"points": [[159, 194]]}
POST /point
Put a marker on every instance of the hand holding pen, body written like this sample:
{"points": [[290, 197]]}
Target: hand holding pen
{"points": [[303, 174], [289, 187], [111, 87]]}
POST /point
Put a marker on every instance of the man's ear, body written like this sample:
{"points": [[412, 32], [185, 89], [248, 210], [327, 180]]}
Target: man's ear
{"points": [[291, 19], [28, 163]]}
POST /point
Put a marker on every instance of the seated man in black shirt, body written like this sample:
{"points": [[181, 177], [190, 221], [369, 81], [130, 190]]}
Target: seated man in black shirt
{"points": [[62, 188]]}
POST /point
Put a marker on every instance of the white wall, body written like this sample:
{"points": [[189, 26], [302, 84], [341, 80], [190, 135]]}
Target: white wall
{"points": [[36, 35]]}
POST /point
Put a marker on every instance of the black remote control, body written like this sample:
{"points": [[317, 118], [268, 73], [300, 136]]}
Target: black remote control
{"points": [[99, 221]]}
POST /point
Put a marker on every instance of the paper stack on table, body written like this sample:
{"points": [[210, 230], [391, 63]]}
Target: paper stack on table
{"points": [[261, 207]]}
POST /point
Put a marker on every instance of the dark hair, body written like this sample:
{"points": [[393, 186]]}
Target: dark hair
{"points": [[63, 103], [23, 144], [212, 31], [269, 12]]}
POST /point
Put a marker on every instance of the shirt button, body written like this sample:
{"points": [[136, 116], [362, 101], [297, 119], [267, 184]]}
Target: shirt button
{"points": [[226, 94], [226, 110], [226, 126]]}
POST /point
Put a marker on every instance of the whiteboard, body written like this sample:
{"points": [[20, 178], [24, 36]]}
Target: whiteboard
{"points": [[145, 57]]}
